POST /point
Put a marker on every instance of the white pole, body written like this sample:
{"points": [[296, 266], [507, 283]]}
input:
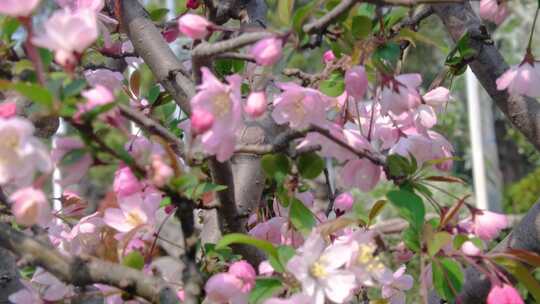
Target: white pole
{"points": [[477, 149], [57, 189]]}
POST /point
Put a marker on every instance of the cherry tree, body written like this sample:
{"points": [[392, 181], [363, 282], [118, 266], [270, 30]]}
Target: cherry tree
{"points": [[240, 167]]}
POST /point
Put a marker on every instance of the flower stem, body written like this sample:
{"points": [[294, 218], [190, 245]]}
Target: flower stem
{"points": [[529, 51]]}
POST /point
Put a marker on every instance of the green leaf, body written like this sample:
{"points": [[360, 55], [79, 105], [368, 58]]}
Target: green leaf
{"points": [[264, 289], [166, 201], [400, 165], [239, 238], [447, 278], [73, 156], [523, 275], [74, 88], [361, 27], [153, 94], [411, 238], [300, 16], [285, 253], [274, 164], [301, 217], [134, 259], [158, 14], [410, 207], [438, 241], [46, 56], [310, 165], [334, 85], [387, 53], [35, 93], [9, 26], [284, 9]]}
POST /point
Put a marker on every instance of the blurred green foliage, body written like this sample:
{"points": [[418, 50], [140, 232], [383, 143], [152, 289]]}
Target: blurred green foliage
{"points": [[520, 196]]}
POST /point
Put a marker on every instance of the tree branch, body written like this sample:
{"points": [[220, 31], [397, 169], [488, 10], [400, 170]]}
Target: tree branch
{"points": [[522, 111], [150, 45], [152, 127], [85, 270]]}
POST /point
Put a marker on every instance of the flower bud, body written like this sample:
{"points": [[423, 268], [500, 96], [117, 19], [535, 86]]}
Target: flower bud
{"points": [[201, 121], [194, 26], [8, 109], [193, 4], [343, 203], [30, 207], [256, 104], [504, 294], [17, 8], [328, 56], [125, 183], [356, 82], [267, 51]]}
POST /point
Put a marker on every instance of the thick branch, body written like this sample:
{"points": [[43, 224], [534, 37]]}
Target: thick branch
{"points": [[523, 112], [84, 270], [150, 45]]}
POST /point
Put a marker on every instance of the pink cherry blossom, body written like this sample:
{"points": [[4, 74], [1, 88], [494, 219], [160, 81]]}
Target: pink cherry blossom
{"points": [[394, 286], [94, 5], [256, 104], [300, 106], [161, 172], [487, 224], [401, 94], [328, 56], [72, 172], [423, 148], [402, 254], [26, 295], [361, 173], [84, 236], [107, 78], [344, 202], [270, 230], [21, 154], [224, 102], [225, 288], [298, 298], [245, 272], [425, 117], [68, 33], [267, 51], [134, 212], [194, 26], [437, 97], [50, 288], [95, 97], [318, 268], [493, 10], [125, 183], [356, 82], [16, 8], [30, 207], [8, 109], [504, 294], [523, 79]]}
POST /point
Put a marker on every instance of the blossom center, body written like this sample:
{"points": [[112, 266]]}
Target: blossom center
{"points": [[10, 140], [317, 270], [222, 104], [134, 219]]}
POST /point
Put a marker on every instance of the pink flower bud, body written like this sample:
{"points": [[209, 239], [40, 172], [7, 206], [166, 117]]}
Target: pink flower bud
{"points": [[170, 34], [223, 288], [504, 294], [328, 56], [161, 171], [356, 82], [493, 10], [343, 202], [30, 207], [193, 4], [487, 225], [194, 26], [17, 8], [125, 183], [245, 272], [267, 51], [201, 121], [437, 97], [256, 104], [8, 109]]}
